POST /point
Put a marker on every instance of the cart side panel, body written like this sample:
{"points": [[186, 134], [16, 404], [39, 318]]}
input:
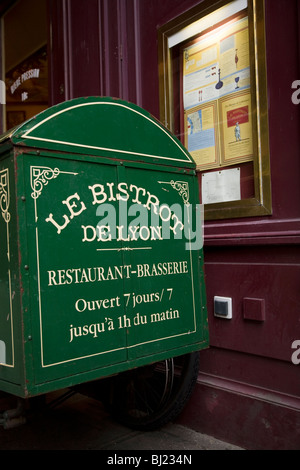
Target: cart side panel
{"points": [[11, 328], [164, 294], [90, 287], [90, 284], [75, 290]]}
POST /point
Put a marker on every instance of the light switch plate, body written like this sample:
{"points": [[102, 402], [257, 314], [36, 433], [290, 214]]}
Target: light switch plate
{"points": [[223, 307]]}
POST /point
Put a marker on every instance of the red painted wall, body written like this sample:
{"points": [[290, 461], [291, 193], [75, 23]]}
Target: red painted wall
{"points": [[248, 391]]}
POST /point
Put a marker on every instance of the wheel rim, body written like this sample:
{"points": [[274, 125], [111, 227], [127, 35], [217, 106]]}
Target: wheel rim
{"points": [[145, 391], [146, 398]]}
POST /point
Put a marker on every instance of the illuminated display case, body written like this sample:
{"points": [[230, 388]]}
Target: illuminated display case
{"points": [[212, 96]]}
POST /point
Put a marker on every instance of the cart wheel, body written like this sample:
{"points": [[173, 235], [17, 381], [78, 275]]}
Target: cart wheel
{"points": [[148, 397]]}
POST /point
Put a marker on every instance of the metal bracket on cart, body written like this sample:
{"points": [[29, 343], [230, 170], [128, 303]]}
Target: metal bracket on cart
{"points": [[15, 417]]}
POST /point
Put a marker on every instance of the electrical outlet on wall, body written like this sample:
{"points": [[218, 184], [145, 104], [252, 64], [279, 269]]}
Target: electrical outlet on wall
{"points": [[223, 307]]}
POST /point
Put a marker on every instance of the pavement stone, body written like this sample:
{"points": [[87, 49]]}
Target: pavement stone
{"points": [[82, 423]]}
